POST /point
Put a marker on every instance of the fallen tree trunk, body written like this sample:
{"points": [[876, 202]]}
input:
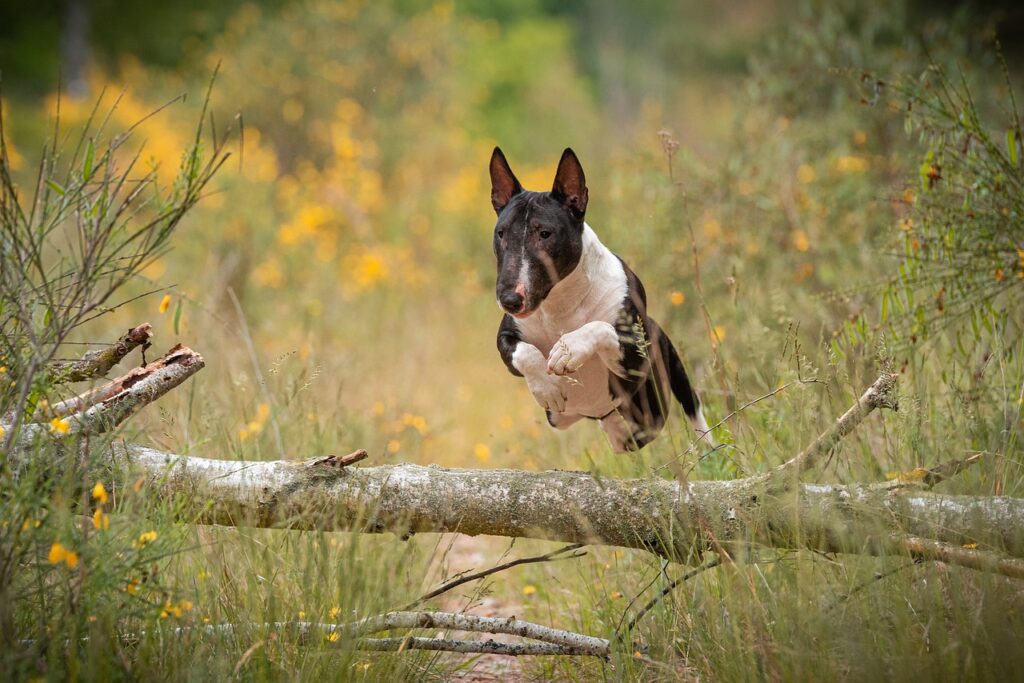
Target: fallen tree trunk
{"points": [[674, 520], [677, 520]]}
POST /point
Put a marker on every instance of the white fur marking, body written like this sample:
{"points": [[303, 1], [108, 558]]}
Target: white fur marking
{"points": [[592, 293]]}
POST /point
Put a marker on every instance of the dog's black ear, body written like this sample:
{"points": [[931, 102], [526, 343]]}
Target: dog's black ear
{"points": [[570, 184], [504, 185]]}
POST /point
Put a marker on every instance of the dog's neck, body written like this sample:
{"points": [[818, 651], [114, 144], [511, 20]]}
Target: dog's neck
{"points": [[588, 286]]}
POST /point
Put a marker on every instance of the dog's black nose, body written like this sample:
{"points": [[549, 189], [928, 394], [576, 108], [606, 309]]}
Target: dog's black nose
{"points": [[511, 302]]}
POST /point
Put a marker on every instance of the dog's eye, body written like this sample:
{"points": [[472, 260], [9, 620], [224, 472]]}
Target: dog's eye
{"points": [[544, 234], [501, 234]]}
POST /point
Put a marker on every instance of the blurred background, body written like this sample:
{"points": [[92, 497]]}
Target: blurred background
{"points": [[353, 223], [749, 159]]}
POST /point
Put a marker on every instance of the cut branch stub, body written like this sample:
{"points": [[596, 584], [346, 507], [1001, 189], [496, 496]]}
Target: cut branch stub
{"points": [[95, 364]]}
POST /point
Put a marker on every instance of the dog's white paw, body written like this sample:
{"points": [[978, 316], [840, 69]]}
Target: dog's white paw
{"points": [[550, 392], [575, 348]]}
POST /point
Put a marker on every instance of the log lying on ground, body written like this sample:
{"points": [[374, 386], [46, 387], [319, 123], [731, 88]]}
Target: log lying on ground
{"points": [[665, 517], [676, 520]]}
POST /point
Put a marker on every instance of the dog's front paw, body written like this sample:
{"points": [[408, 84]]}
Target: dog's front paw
{"points": [[550, 392], [570, 352]]}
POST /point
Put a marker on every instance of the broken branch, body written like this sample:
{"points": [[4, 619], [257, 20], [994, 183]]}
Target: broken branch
{"points": [[95, 364]]}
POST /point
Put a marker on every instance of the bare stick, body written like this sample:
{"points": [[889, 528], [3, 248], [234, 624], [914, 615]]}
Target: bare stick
{"points": [[873, 580], [98, 363], [342, 460], [488, 647], [468, 622], [927, 549], [882, 393], [951, 468], [455, 583]]}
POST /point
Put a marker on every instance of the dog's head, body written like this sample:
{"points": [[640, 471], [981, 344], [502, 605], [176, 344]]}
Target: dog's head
{"points": [[538, 239]]}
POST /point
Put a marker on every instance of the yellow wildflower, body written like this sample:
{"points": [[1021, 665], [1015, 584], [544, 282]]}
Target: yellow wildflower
{"points": [[907, 224], [170, 609], [59, 426], [144, 539], [718, 333], [806, 174], [394, 446], [678, 298], [529, 590], [2, 431], [999, 274], [482, 452], [165, 303], [100, 521], [58, 554], [801, 241], [133, 585], [851, 164], [99, 493], [333, 637], [335, 611], [378, 408], [268, 274], [616, 595], [860, 137]]}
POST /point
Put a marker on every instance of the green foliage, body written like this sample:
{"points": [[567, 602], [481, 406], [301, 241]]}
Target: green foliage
{"points": [[962, 265]]}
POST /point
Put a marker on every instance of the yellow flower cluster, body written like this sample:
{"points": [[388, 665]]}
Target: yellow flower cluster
{"points": [[851, 164], [255, 425], [59, 554], [60, 426], [100, 520], [144, 539], [408, 420], [175, 610]]}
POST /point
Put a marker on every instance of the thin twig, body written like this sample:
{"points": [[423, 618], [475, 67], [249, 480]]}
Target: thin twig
{"points": [[455, 583], [873, 580], [665, 591], [752, 402]]}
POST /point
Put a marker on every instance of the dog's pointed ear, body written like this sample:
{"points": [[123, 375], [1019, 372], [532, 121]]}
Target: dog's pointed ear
{"points": [[504, 185], [570, 186]]}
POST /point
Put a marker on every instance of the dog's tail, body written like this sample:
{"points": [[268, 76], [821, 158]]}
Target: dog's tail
{"points": [[684, 392]]}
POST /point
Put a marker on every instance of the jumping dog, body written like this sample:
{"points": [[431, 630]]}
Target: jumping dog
{"points": [[575, 322]]}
